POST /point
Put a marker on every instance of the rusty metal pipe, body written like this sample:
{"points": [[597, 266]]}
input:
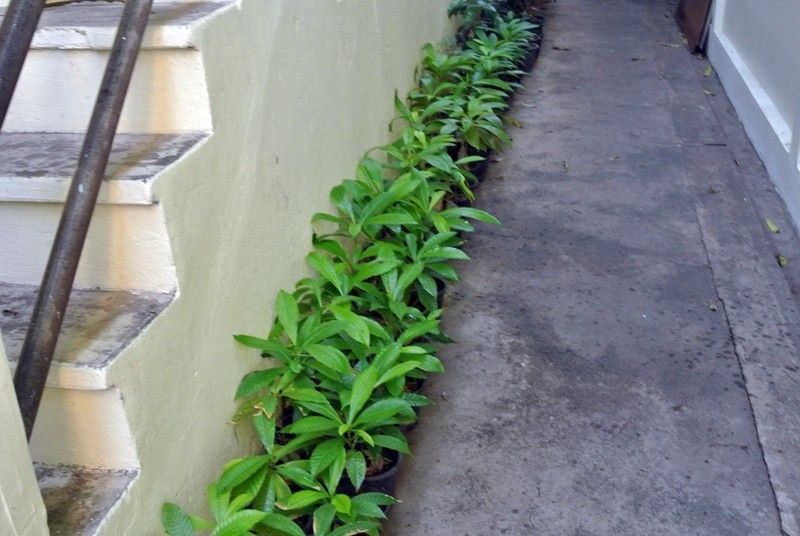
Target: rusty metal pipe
{"points": [[16, 34]]}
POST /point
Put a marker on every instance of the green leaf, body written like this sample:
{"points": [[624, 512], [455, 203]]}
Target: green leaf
{"points": [[417, 330], [265, 428], [325, 268], [387, 357], [330, 357], [333, 475], [391, 218], [372, 269], [288, 314], [393, 443], [321, 216], [282, 523], [175, 521], [396, 371], [409, 275], [359, 527], [270, 347], [428, 284], [324, 454], [240, 471], [363, 507], [366, 437], [356, 327], [256, 381], [356, 466], [473, 213], [217, 502], [325, 331], [239, 503], [298, 476], [772, 227], [342, 503], [323, 518], [362, 390], [239, 523], [311, 424], [430, 363], [380, 411], [301, 499]]}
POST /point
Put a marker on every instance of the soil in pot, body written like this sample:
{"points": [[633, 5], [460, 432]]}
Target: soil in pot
{"points": [[383, 481]]}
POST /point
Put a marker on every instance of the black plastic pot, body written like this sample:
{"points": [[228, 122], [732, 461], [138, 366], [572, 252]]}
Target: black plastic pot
{"points": [[382, 483], [387, 480]]}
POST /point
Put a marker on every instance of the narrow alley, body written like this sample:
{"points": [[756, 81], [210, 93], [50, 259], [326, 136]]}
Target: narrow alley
{"points": [[626, 359]]}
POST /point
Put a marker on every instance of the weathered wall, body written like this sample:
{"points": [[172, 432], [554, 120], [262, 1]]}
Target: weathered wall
{"points": [[754, 46], [21, 509], [299, 91]]}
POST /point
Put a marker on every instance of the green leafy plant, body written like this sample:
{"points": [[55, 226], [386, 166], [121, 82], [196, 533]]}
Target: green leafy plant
{"points": [[352, 344]]}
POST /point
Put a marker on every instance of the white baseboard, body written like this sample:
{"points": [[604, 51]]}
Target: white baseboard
{"points": [[770, 134]]}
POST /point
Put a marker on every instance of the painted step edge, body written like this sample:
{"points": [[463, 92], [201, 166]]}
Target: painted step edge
{"points": [[31, 174], [98, 326], [92, 26]]}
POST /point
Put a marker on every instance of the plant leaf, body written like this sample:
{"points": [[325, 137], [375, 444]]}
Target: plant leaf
{"points": [[282, 523], [362, 390], [330, 357], [240, 471], [288, 314], [356, 466], [324, 454], [302, 498], [175, 521]]}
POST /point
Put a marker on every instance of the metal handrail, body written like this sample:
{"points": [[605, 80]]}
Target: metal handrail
{"points": [[16, 34], [48, 313]]}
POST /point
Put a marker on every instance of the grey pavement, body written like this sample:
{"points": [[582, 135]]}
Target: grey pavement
{"points": [[627, 344]]}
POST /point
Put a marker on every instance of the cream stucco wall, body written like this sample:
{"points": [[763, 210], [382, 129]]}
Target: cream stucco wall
{"points": [[754, 45], [299, 90], [21, 509]]}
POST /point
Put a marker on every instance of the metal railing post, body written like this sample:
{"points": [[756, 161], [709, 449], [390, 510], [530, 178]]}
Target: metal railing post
{"points": [[40, 341]]}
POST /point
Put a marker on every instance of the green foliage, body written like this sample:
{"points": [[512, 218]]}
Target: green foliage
{"points": [[350, 346]]}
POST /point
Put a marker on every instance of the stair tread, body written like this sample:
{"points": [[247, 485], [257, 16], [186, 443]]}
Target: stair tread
{"points": [[38, 166], [78, 498], [92, 24], [97, 326]]}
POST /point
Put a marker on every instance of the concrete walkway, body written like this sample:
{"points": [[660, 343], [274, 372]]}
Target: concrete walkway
{"points": [[627, 359]]}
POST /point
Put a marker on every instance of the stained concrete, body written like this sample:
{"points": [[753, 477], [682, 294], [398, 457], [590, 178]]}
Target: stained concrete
{"points": [[626, 359], [77, 498], [98, 324]]}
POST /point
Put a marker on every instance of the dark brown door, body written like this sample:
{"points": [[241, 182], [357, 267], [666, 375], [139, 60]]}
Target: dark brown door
{"points": [[692, 17]]}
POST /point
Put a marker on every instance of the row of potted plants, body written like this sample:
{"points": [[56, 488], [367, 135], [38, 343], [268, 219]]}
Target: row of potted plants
{"points": [[352, 346]]}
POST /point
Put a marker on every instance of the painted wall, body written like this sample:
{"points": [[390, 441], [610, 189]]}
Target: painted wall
{"points": [[299, 91], [754, 46], [22, 512]]}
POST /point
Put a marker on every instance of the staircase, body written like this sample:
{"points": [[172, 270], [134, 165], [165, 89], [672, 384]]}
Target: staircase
{"points": [[84, 447]]}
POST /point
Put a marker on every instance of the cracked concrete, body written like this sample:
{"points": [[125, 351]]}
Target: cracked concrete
{"points": [[626, 359]]}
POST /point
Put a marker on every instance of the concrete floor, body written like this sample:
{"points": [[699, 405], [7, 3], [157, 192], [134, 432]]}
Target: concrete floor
{"points": [[627, 345]]}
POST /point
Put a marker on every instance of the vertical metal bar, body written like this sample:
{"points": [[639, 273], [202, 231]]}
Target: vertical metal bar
{"points": [[42, 336], [16, 34]]}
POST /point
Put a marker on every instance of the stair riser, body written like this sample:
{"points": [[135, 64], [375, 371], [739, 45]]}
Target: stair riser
{"points": [[87, 428], [127, 246], [57, 89]]}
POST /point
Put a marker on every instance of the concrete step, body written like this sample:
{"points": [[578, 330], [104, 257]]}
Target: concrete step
{"points": [[127, 246], [98, 325], [168, 92], [82, 418], [38, 166], [79, 498]]}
